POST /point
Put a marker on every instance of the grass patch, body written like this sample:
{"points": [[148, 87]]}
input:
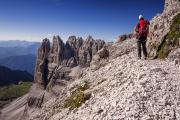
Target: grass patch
{"points": [[81, 87], [174, 33], [163, 51], [171, 40], [84, 86], [14, 91], [8, 93], [76, 100], [78, 97]]}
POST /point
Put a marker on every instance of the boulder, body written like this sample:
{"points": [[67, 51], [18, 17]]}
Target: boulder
{"points": [[124, 37]]}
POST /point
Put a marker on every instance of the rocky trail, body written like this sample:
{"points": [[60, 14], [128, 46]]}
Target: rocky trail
{"points": [[125, 88], [133, 89]]}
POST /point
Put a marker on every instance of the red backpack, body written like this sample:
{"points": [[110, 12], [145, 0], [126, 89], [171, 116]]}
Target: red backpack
{"points": [[143, 27]]}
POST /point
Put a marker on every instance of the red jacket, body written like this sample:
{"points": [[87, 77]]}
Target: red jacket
{"points": [[142, 27]]}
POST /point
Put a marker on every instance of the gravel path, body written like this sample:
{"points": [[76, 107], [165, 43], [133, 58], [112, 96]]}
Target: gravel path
{"points": [[133, 90]]}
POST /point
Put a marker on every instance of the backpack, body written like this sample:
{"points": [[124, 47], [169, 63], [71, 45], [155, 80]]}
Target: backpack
{"points": [[143, 28]]}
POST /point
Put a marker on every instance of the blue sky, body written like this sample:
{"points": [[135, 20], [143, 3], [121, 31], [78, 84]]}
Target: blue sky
{"points": [[106, 19]]}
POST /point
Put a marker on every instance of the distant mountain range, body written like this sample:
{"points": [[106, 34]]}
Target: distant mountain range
{"points": [[17, 43], [19, 55], [22, 62], [15, 49], [8, 76]]}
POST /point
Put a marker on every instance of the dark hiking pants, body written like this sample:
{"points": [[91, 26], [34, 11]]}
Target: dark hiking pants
{"points": [[141, 44]]}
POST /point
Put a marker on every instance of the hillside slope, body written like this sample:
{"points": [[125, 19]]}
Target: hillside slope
{"points": [[8, 76], [130, 89], [125, 88], [22, 62]]}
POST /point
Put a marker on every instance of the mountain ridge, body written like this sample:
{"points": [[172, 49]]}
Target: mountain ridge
{"points": [[16, 43], [8, 76], [20, 62]]}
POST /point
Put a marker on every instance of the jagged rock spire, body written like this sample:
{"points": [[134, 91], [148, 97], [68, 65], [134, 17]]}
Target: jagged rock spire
{"points": [[41, 69], [56, 50], [75, 52]]}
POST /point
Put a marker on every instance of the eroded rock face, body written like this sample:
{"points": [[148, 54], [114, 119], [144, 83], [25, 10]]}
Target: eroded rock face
{"points": [[41, 70], [89, 48], [57, 49], [160, 26], [51, 61], [100, 59], [124, 37], [171, 4], [173, 55]]}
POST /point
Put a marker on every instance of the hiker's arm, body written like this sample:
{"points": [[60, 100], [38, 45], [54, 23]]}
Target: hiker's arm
{"points": [[148, 28], [136, 30]]}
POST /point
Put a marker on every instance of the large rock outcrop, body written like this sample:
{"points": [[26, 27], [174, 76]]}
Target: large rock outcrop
{"points": [[160, 26], [124, 88], [52, 61], [124, 37], [41, 70]]}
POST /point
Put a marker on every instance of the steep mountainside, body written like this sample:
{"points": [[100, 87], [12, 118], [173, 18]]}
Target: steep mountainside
{"points": [[56, 61], [125, 88], [92, 80], [8, 76], [23, 63], [160, 30]]}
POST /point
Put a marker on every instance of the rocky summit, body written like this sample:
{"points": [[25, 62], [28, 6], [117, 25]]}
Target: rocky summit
{"points": [[56, 61], [87, 79]]}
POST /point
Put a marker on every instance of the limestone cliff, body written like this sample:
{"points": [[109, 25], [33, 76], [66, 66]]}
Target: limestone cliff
{"points": [[160, 26], [52, 61]]}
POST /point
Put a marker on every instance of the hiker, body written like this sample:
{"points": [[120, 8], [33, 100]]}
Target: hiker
{"points": [[141, 30]]}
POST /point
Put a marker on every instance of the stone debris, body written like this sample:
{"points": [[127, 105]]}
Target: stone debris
{"points": [[133, 89]]}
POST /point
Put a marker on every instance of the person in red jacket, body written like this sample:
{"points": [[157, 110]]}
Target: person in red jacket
{"points": [[141, 30]]}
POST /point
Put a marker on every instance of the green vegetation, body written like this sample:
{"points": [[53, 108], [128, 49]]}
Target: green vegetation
{"points": [[163, 50], [81, 87], [8, 93], [9, 76], [174, 33], [84, 86], [171, 40], [76, 100], [78, 97]]}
